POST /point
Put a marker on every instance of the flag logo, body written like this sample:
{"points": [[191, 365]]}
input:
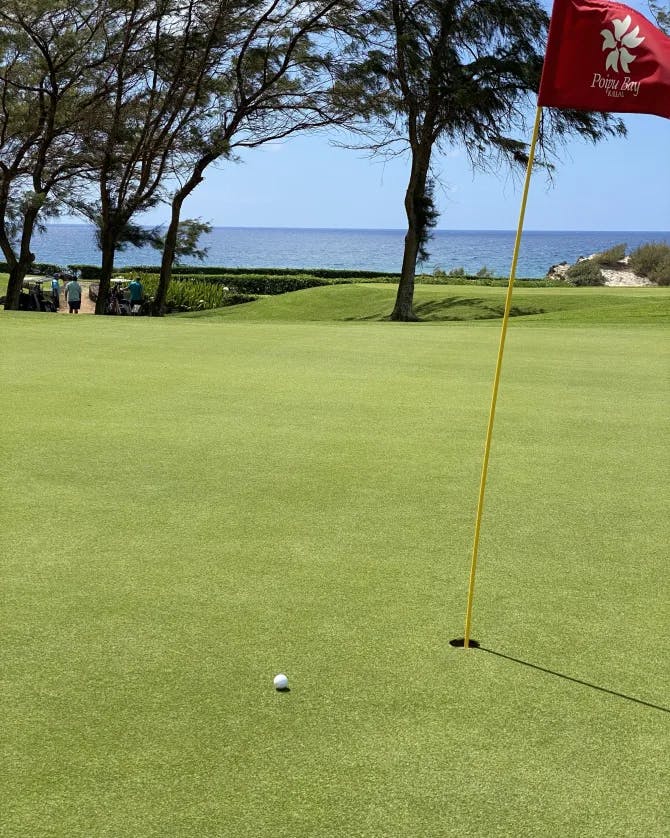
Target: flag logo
{"points": [[619, 43]]}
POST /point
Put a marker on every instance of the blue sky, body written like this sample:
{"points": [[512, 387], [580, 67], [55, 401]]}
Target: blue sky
{"points": [[620, 184]]}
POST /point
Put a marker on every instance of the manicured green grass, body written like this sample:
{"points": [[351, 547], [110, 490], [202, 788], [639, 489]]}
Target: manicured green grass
{"points": [[190, 506], [457, 303]]}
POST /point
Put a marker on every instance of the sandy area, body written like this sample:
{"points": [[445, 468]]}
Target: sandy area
{"points": [[87, 305]]}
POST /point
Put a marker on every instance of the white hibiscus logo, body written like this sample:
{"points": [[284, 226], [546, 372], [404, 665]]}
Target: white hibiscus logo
{"points": [[619, 43]]}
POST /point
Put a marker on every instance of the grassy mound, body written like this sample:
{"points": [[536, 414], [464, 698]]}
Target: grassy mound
{"points": [[459, 303]]}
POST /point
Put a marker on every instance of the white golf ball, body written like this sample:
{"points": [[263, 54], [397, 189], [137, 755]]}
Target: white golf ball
{"points": [[280, 681]]}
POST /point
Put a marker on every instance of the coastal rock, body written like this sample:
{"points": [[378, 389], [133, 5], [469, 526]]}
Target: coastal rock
{"points": [[558, 271], [621, 276], [615, 276]]}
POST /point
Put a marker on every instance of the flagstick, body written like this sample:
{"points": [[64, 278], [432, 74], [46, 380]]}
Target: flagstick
{"points": [[496, 381]]}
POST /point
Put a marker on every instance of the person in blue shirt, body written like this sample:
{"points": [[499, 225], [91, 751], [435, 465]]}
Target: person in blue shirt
{"points": [[136, 292], [73, 295], [55, 290]]}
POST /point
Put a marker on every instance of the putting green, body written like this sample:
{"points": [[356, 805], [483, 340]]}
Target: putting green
{"points": [[190, 506]]}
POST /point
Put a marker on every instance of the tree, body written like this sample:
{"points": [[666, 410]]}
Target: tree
{"points": [[164, 59], [275, 76], [187, 240], [48, 55], [662, 15], [439, 73]]}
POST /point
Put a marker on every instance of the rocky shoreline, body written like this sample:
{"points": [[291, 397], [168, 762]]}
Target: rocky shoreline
{"points": [[614, 276]]}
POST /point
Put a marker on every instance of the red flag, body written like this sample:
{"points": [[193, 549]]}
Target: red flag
{"points": [[604, 56]]}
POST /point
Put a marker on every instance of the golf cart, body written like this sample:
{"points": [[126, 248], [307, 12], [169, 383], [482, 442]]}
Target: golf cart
{"points": [[32, 297], [119, 301]]}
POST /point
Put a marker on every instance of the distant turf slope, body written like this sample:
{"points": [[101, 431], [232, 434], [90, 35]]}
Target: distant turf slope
{"points": [[367, 302]]}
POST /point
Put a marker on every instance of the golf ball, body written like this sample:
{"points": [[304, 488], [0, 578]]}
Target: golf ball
{"points": [[280, 681]]}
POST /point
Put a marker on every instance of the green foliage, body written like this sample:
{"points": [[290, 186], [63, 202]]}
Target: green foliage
{"points": [[261, 284], [490, 281], [93, 272], [87, 271], [52, 56], [128, 233], [195, 295], [189, 232], [653, 261], [426, 215], [611, 258], [457, 272], [662, 15], [36, 267], [661, 273], [484, 273], [585, 273]]}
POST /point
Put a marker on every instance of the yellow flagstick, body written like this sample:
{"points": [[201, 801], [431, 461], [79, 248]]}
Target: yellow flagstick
{"points": [[496, 381]]}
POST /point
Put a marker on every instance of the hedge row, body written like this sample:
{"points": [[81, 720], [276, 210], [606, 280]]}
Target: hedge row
{"points": [[37, 267], [492, 281], [283, 280], [255, 284], [321, 273], [93, 272]]}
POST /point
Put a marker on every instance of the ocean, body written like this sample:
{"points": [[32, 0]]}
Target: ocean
{"points": [[374, 250]]}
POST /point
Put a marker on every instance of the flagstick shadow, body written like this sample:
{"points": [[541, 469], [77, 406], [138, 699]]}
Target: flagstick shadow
{"points": [[575, 680]]}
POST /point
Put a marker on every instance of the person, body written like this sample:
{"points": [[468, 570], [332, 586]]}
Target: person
{"points": [[55, 290], [73, 295], [136, 292]]}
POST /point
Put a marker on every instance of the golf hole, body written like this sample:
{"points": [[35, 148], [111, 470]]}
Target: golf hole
{"points": [[459, 643]]}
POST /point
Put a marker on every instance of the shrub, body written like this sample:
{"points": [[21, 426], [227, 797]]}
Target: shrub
{"points": [[457, 272], [661, 273], [45, 268], [610, 258], [484, 273], [649, 260], [93, 272], [585, 273], [493, 282], [263, 283], [36, 268], [190, 295], [87, 271]]}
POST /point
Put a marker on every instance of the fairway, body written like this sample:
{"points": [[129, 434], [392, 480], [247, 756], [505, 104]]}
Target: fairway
{"points": [[191, 505]]}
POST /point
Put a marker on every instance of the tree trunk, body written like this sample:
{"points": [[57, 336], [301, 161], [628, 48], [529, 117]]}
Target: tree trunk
{"points": [[15, 283], [21, 266], [106, 270], [158, 307], [404, 302], [414, 198], [169, 247]]}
